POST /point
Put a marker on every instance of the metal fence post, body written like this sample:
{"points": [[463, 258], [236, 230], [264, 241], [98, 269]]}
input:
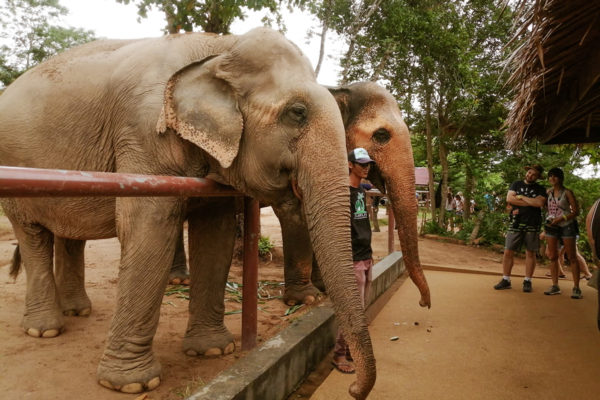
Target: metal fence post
{"points": [[250, 273]]}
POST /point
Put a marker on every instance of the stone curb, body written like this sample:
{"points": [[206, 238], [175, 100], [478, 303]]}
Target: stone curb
{"points": [[274, 369]]}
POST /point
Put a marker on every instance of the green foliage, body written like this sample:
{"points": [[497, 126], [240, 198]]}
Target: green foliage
{"points": [[209, 15], [264, 246], [432, 228], [30, 33]]}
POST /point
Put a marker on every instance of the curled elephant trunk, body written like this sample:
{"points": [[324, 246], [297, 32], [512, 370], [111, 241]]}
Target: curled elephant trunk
{"points": [[326, 206]]}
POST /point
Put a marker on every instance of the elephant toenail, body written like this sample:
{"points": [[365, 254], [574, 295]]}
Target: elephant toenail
{"points": [[106, 384], [85, 312], [229, 349], [215, 351], [153, 383], [132, 388], [33, 332], [50, 333]]}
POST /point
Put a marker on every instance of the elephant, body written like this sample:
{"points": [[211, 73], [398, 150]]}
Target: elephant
{"points": [[372, 120], [244, 110]]}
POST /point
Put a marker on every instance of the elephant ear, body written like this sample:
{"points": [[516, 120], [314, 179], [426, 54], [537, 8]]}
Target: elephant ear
{"points": [[203, 109], [342, 97]]}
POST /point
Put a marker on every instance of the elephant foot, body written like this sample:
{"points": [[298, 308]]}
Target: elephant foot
{"points": [[81, 307], [208, 344], [305, 294], [43, 327], [125, 377], [179, 275]]}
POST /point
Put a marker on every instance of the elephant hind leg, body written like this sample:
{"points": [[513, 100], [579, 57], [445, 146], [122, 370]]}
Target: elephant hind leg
{"points": [[70, 277], [42, 317], [179, 274]]}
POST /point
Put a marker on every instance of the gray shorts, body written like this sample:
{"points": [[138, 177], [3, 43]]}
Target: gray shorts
{"points": [[514, 240]]}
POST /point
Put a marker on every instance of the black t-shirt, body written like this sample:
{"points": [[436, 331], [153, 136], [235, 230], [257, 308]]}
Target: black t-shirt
{"points": [[528, 216], [360, 226]]}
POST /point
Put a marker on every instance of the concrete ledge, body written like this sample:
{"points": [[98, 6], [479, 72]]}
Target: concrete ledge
{"points": [[274, 369]]}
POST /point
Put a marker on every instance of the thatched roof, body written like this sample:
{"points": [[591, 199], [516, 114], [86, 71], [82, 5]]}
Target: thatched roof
{"points": [[556, 71]]}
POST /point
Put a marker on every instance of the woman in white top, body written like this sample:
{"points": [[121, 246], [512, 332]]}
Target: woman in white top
{"points": [[560, 224]]}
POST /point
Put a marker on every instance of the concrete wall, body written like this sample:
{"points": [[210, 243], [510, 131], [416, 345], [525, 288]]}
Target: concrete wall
{"points": [[275, 368]]}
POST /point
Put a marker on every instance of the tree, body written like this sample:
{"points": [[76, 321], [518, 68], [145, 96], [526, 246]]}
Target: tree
{"points": [[31, 34], [214, 16]]}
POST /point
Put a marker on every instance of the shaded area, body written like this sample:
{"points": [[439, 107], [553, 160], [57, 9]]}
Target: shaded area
{"points": [[556, 71]]}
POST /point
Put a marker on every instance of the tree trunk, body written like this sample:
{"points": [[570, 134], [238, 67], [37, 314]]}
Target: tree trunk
{"points": [[469, 185], [321, 48], [443, 153], [430, 153], [362, 18], [475, 231]]}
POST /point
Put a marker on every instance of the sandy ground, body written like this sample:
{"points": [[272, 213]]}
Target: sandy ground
{"points": [[65, 366], [478, 343]]}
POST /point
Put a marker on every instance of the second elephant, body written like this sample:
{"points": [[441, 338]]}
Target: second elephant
{"points": [[372, 120]]}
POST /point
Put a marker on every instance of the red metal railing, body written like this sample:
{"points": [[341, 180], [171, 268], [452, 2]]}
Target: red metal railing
{"points": [[35, 182]]}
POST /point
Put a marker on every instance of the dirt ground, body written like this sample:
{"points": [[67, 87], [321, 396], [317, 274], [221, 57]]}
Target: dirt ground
{"points": [[65, 366]]}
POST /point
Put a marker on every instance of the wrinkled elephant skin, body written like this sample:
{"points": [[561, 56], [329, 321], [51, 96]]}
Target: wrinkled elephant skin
{"points": [[372, 120], [243, 110]]}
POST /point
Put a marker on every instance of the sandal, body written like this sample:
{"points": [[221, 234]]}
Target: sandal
{"points": [[344, 366], [562, 276]]}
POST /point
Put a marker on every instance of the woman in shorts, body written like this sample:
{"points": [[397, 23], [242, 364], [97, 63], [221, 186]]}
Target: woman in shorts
{"points": [[560, 224]]}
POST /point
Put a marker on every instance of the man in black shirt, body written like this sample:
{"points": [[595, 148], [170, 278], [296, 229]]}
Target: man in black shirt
{"points": [[359, 164], [527, 198]]}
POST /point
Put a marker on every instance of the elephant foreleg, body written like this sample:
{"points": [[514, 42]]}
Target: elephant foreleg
{"points": [[298, 255], [211, 238], [148, 237], [42, 317], [69, 271]]}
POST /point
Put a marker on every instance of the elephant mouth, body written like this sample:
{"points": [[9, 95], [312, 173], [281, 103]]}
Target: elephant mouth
{"points": [[296, 189], [376, 178]]}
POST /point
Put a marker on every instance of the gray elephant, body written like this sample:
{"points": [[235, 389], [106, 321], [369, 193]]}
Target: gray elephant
{"points": [[372, 120], [243, 110]]}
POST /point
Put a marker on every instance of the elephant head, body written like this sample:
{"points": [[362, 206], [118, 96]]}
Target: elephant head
{"points": [[272, 132], [373, 121]]}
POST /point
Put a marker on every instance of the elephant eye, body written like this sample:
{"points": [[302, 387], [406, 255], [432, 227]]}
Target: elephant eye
{"points": [[297, 113], [381, 136]]}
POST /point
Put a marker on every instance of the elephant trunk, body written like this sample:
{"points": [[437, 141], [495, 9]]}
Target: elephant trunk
{"points": [[326, 206], [400, 187]]}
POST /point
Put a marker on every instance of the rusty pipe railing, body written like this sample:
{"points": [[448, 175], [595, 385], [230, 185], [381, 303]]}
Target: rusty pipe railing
{"points": [[36, 182]]}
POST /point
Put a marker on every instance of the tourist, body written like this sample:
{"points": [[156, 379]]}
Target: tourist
{"points": [[526, 199], [359, 164], [561, 224]]}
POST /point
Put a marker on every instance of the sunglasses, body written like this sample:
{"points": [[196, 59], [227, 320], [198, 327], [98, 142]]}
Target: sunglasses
{"points": [[366, 165]]}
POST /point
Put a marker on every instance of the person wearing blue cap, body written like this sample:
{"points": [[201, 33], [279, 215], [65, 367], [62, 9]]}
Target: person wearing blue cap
{"points": [[359, 164]]}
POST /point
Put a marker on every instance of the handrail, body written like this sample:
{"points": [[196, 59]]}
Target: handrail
{"points": [[37, 182]]}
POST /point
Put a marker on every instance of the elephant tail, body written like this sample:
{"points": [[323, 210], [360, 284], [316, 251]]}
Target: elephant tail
{"points": [[15, 268]]}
